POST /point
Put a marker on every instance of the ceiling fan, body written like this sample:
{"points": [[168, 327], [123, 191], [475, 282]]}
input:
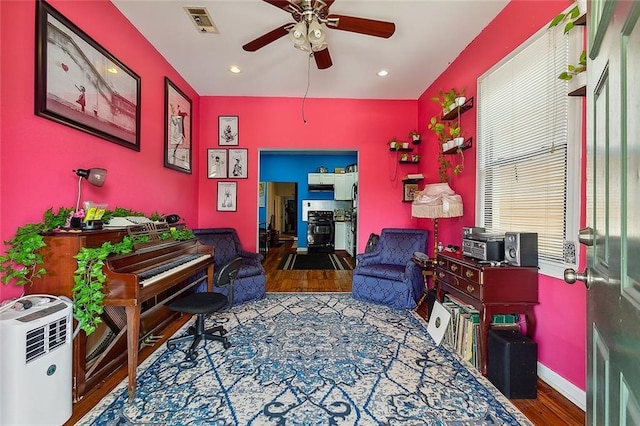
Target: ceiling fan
{"points": [[307, 31]]}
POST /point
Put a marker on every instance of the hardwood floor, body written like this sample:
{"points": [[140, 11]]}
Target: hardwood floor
{"points": [[549, 409]]}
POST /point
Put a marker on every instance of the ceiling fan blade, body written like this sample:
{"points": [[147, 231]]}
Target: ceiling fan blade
{"points": [[281, 4], [265, 39], [323, 58], [363, 26]]}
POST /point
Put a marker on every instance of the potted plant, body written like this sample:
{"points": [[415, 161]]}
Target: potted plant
{"points": [[415, 136], [394, 144], [447, 100]]}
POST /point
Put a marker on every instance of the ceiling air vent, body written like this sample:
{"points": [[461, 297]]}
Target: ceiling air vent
{"points": [[202, 19]]}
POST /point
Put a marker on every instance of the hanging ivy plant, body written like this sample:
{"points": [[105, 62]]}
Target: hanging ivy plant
{"points": [[20, 263], [89, 281]]}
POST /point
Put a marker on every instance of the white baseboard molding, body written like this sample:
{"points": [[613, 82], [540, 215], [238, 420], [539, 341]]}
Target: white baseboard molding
{"points": [[562, 385]]}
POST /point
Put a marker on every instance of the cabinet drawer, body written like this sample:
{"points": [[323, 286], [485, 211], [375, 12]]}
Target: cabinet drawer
{"points": [[468, 287], [460, 270]]}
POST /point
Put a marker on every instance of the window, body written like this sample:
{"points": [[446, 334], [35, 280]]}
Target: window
{"points": [[529, 137]]}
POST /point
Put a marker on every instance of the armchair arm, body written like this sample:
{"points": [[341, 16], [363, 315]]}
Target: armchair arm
{"points": [[250, 255], [368, 258]]}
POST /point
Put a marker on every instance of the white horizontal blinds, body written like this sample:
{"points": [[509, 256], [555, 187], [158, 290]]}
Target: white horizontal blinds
{"points": [[523, 114]]}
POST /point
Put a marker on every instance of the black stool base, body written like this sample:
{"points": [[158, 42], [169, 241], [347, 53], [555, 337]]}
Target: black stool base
{"points": [[197, 333]]}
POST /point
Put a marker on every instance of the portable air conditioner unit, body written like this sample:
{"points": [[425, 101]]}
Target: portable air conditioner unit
{"points": [[35, 366]]}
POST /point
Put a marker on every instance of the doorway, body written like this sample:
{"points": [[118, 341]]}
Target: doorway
{"points": [[282, 208]]}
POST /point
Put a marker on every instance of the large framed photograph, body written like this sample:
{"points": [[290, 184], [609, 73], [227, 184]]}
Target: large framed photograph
{"points": [[81, 85], [217, 163], [177, 128], [227, 196], [228, 130], [238, 163]]}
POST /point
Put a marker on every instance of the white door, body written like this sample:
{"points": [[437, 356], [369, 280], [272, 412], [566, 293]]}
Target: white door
{"points": [[613, 214]]}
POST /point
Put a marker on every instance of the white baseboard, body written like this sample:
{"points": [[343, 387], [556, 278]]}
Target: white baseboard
{"points": [[562, 385]]}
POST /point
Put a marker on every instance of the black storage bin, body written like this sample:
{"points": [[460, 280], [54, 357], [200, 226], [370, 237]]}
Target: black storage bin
{"points": [[512, 363]]}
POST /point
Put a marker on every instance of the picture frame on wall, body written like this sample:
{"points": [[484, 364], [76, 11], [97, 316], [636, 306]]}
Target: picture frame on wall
{"points": [[177, 128], [81, 85], [411, 190], [228, 130], [227, 196], [238, 163], [216, 163]]}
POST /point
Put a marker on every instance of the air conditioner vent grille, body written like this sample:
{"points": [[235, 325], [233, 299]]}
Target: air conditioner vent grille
{"points": [[44, 339], [202, 20]]}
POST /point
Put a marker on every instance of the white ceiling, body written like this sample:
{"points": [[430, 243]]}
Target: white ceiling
{"points": [[429, 35]]}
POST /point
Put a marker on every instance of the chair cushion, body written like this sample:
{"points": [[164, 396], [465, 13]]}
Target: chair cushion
{"points": [[391, 272], [199, 303], [248, 270]]}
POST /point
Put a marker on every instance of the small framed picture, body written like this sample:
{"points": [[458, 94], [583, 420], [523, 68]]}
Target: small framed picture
{"points": [[227, 196], [217, 163], [177, 128], [228, 130], [238, 163], [410, 191]]}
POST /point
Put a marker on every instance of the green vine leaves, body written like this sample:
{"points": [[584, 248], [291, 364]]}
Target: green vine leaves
{"points": [[89, 281]]}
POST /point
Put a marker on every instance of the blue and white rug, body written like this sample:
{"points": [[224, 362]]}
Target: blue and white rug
{"points": [[310, 359]]}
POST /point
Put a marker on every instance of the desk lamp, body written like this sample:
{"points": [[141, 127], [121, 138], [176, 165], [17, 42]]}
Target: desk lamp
{"points": [[435, 201], [96, 177]]}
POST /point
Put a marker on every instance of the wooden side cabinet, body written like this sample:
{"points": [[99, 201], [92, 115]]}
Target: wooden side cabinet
{"points": [[489, 289]]}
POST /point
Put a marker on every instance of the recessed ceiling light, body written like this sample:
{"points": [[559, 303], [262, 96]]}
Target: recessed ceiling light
{"points": [[234, 69], [383, 73], [112, 70]]}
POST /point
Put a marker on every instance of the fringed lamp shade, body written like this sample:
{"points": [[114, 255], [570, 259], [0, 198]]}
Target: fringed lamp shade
{"points": [[436, 200]]}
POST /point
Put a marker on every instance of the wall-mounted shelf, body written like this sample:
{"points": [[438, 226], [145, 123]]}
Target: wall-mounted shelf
{"points": [[465, 145], [401, 149], [454, 113], [408, 161], [580, 91]]}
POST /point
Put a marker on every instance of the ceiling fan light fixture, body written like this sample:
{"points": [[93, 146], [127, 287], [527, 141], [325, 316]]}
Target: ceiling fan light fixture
{"points": [[316, 33], [299, 32]]}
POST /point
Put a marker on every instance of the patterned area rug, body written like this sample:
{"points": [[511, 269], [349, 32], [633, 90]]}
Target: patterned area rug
{"points": [[310, 359], [315, 261]]}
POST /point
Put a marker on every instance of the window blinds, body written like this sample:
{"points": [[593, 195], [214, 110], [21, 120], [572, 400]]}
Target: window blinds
{"points": [[523, 121]]}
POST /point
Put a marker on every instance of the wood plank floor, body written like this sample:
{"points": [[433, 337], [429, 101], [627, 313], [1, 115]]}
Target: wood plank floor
{"points": [[549, 409]]}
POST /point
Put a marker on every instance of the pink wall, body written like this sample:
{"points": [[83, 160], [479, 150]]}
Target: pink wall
{"points": [[38, 155], [276, 123], [561, 314]]}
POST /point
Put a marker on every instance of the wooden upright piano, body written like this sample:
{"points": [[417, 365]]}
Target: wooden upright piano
{"points": [[139, 285]]}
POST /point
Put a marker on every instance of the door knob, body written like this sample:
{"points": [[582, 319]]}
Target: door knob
{"points": [[587, 277], [586, 236]]}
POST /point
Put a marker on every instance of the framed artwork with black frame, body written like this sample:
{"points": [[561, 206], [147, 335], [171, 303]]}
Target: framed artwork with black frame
{"points": [[177, 128], [216, 163], [238, 163], [81, 85], [410, 190], [227, 196], [228, 130]]}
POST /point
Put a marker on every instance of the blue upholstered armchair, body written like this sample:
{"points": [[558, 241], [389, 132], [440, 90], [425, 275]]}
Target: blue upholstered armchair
{"points": [[250, 282], [387, 275]]}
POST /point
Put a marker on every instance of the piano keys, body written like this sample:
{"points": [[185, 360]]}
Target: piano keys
{"points": [[138, 286]]}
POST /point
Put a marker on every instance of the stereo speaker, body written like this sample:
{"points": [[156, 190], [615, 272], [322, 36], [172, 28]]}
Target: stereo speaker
{"points": [[512, 363], [521, 248]]}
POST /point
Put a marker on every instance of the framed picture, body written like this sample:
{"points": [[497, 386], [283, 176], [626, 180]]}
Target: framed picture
{"points": [[81, 85], [227, 196], [228, 130], [410, 191], [177, 128], [217, 163], [261, 193], [238, 163]]}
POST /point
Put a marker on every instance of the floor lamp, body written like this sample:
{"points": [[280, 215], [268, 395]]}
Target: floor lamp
{"points": [[435, 201]]}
